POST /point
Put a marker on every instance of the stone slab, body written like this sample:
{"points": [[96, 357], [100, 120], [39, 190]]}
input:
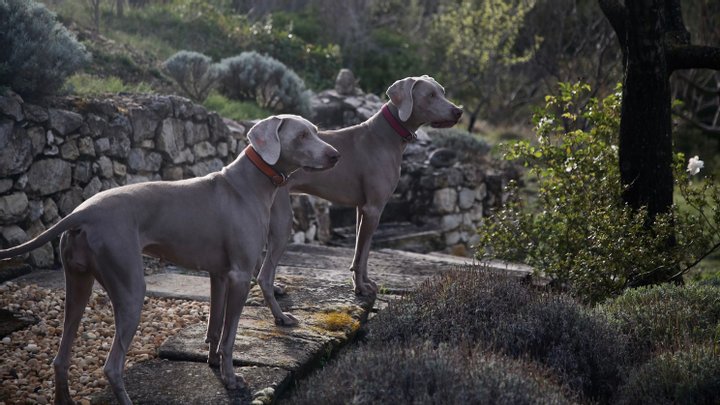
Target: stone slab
{"points": [[187, 383]]}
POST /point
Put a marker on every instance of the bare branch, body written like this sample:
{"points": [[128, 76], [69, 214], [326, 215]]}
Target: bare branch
{"points": [[693, 57]]}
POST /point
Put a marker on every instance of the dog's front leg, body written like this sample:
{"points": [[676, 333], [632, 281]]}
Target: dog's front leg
{"points": [[238, 285], [218, 297]]}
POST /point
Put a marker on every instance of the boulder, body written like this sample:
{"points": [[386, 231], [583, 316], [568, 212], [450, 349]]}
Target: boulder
{"points": [[15, 149], [13, 208], [49, 176], [11, 107], [64, 122], [141, 160]]}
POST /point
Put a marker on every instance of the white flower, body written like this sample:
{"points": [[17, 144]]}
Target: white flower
{"points": [[694, 165]]}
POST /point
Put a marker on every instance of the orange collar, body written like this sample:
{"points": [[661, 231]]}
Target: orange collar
{"points": [[277, 178]]}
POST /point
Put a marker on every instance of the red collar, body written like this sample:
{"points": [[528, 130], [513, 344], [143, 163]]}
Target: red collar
{"points": [[397, 126], [277, 178]]}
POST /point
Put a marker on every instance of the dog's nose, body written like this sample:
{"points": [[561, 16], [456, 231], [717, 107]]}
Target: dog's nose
{"points": [[333, 156], [457, 112]]}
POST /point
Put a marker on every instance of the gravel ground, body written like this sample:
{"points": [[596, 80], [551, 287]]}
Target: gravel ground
{"points": [[26, 366]]}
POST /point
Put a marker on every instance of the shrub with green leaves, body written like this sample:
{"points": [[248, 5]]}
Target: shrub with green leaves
{"points": [[685, 377], [37, 52], [423, 374], [585, 351], [581, 234], [667, 317], [265, 80], [194, 73]]}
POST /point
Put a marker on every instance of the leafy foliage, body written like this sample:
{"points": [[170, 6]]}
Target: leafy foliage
{"points": [[667, 317], [194, 73], [236, 110], [424, 374], [586, 352], [581, 234], [684, 377], [85, 84], [37, 53], [267, 81]]}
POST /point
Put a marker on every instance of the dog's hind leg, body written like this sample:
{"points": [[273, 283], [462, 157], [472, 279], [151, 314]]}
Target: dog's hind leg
{"points": [[218, 296], [78, 286], [120, 269]]}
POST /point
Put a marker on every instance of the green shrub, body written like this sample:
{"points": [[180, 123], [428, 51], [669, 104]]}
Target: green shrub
{"points": [[424, 375], [581, 234], [685, 377], [236, 110], [265, 80], [667, 317], [500, 313], [37, 53], [468, 146], [194, 73]]}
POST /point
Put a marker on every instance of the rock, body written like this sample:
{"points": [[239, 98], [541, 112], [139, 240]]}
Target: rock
{"points": [[170, 139], [140, 160], [443, 157], [452, 238], [345, 82], [35, 113], [69, 150], [204, 149], [102, 145], [36, 210], [10, 106], [172, 173], [104, 167], [118, 132], [205, 167], [144, 123], [5, 185], [86, 147], [195, 133], [64, 122], [450, 222], [93, 187], [119, 169], [83, 171], [44, 256], [16, 151], [12, 235], [13, 208], [182, 107], [466, 198], [444, 200], [218, 129], [135, 179], [50, 211], [49, 176], [69, 200], [222, 149], [299, 237], [94, 126], [481, 192]]}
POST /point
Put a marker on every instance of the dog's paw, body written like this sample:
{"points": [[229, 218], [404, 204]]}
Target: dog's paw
{"points": [[365, 289], [286, 320], [214, 360], [233, 381]]}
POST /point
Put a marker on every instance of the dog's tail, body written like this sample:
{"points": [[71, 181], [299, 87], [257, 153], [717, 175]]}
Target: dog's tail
{"points": [[63, 225]]}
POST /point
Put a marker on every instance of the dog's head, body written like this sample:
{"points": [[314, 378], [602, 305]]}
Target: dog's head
{"points": [[291, 142], [422, 100]]}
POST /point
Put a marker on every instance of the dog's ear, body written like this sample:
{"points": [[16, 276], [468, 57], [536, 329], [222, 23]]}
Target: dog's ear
{"points": [[265, 138], [400, 94], [433, 81]]}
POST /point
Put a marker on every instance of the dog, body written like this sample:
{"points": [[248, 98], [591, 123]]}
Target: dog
{"points": [[365, 178], [217, 223]]}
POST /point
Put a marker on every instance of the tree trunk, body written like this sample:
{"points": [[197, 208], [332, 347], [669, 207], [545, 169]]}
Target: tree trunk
{"points": [[645, 125], [120, 8]]}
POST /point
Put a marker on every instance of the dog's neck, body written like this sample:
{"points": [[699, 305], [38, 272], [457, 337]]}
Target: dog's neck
{"points": [[246, 178], [380, 127]]}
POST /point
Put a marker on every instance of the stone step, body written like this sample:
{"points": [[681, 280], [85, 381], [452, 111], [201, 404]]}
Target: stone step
{"points": [[404, 236]]}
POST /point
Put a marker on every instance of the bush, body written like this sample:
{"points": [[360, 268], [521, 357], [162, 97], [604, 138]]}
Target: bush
{"points": [[254, 77], [468, 146], [236, 110], [425, 375], [581, 234], [194, 73], [585, 351], [90, 85], [667, 317], [685, 377], [37, 53]]}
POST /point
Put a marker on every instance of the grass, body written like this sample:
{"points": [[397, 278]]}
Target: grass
{"points": [[236, 110], [83, 84]]}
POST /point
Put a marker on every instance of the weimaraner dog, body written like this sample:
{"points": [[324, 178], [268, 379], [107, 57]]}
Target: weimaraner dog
{"points": [[215, 223], [365, 178]]}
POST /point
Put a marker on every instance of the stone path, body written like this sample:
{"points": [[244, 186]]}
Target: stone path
{"points": [[269, 357]]}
